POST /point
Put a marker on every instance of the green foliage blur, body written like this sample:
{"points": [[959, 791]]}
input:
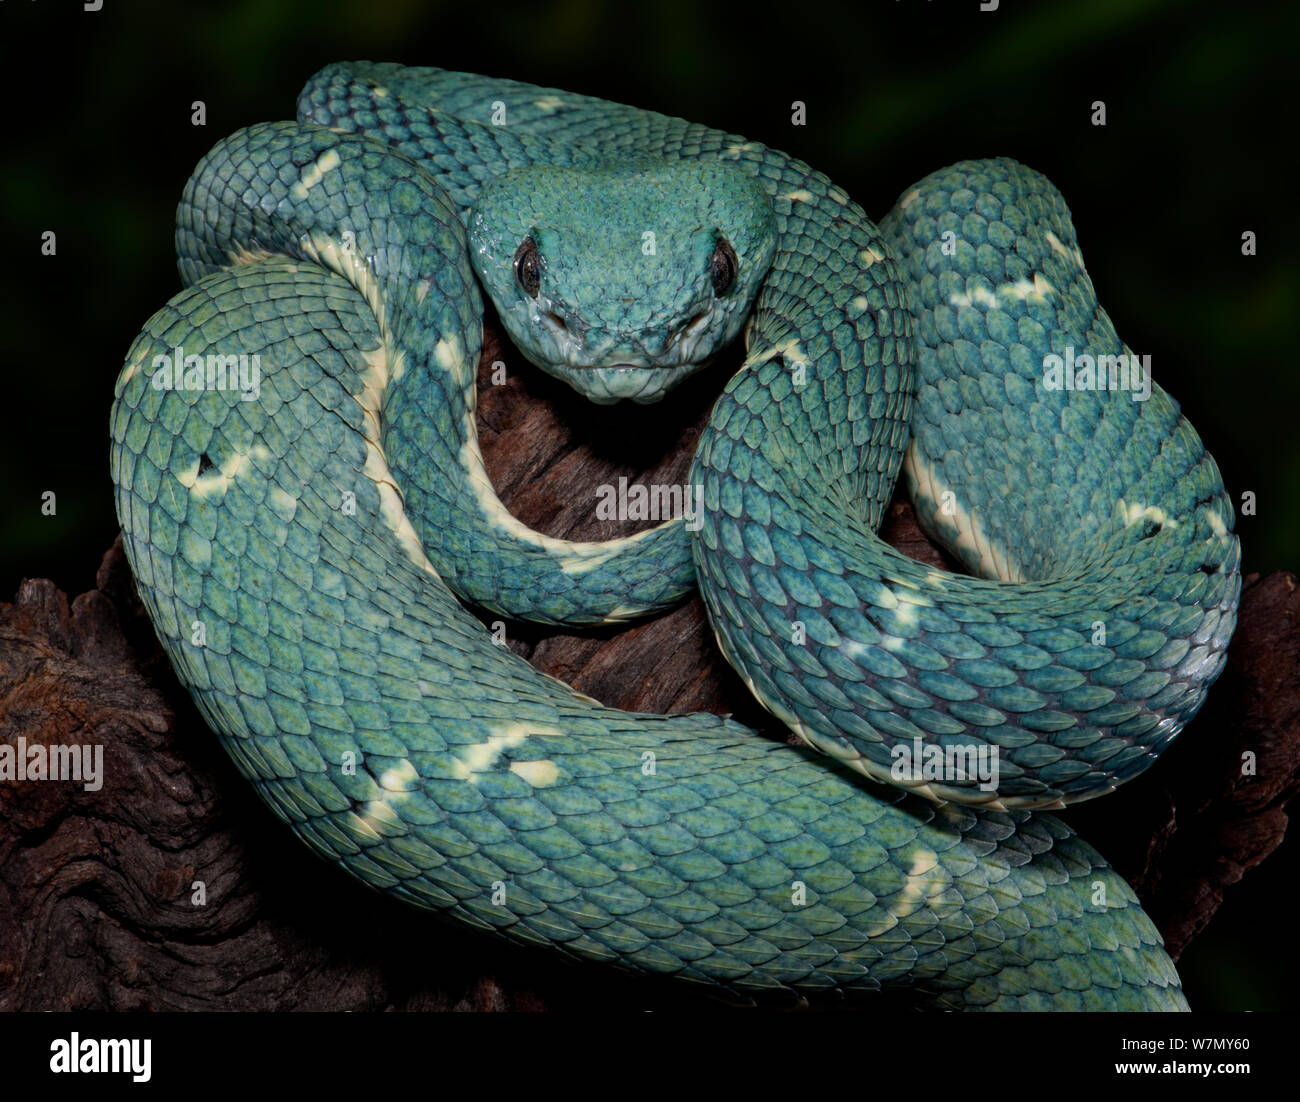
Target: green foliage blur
{"points": [[1200, 101]]}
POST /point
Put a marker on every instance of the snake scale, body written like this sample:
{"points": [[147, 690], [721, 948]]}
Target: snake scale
{"points": [[303, 540]]}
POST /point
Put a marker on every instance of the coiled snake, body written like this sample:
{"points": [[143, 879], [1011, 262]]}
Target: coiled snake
{"points": [[302, 521]]}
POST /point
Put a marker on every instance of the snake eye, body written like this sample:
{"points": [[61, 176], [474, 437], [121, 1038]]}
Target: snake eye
{"points": [[528, 266], [722, 266]]}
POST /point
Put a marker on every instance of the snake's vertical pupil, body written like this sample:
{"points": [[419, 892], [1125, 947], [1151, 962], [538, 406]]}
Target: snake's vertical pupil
{"points": [[528, 269], [722, 266]]}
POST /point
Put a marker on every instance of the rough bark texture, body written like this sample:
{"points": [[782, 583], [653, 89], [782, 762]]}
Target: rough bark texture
{"points": [[97, 889]]}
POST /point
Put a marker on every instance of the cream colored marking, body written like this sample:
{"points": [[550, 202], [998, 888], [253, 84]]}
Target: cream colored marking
{"points": [[220, 478], [480, 757], [908, 199], [854, 650], [239, 256], [284, 501], [981, 295], [994, 560], [379, 92], [934, 577], [1024, 289], [839, 196], [366, 825], [892, 642], [398, 784], [449, 354], [887, 598], [1136, 512], [379, 814], [539, 774], [1216, 525], [619, 613], [801, 195], [422, 290], [870, 256], [399, 367], [374, 381], [400, 779], [352, 267], [906, 613], [572, 557], [790, 349], [736, 150], [1055, 243], [919, 886], [326, 162], [860, 302], [999, 560], [548, 103], [1070, 254]]}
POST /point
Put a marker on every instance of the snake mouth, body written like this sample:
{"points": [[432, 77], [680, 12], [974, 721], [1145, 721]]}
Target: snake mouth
{"points": [[627, 367], [606, 384]]}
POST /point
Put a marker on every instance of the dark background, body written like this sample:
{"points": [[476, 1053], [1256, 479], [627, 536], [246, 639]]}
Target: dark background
{"points": [[1198, 147]]}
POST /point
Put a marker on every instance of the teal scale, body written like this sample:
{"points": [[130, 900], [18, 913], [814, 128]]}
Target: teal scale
{"points": [[301, 545]]}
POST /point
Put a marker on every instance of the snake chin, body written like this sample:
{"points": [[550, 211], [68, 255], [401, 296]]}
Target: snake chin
{"points": [[613, 383]]}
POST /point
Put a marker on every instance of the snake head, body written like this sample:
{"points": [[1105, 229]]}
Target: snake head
{"points": [[623, 279]]}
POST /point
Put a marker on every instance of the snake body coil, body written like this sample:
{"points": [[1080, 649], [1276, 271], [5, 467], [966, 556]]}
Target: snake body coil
{"points": [[300, 540]]}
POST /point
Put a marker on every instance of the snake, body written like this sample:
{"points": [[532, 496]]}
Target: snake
{"points": [[305, 509]]}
